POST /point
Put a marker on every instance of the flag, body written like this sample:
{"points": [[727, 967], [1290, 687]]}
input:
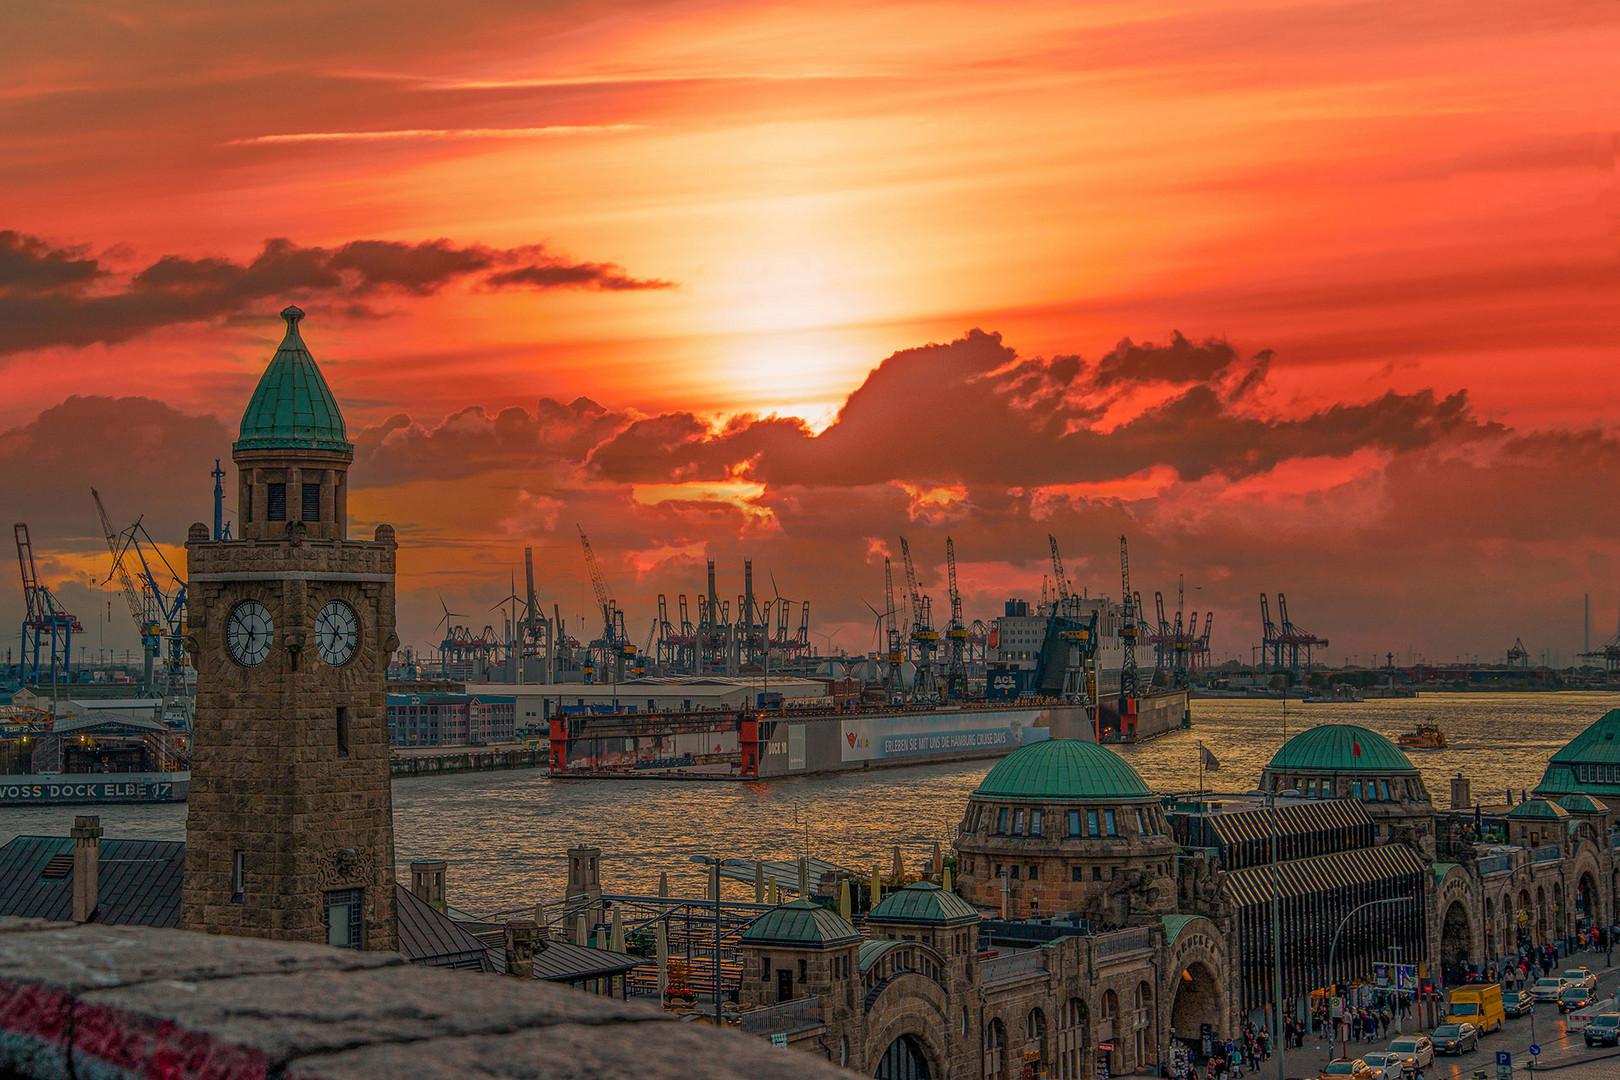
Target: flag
{"points": [[1355, 747], [1207, 759]]}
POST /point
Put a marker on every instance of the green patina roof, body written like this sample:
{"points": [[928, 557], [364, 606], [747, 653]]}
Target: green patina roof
{"points": [[1597, 745], [1578, 802], [1441, 869], [1335, 748], [1064, 770], [1538, 810], [292, 408], [1175, 924], [803, 924], [868, 953], [923, 902]]}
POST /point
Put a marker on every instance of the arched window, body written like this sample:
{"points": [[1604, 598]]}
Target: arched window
{"points": [[1142, 1023], [1035, 1036], [1071, 1039], [995, 1050]]}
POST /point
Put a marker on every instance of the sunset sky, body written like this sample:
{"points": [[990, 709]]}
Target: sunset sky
{"points": [[1318, 297]]}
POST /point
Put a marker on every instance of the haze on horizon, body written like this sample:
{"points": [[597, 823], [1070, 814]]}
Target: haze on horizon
{"points": [[1300, 295]]}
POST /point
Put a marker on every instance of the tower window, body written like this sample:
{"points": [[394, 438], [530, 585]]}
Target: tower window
{"points": [[247, 503], [312, 502], [238, 876], [340, 909], [343, 730], [276, 496]]}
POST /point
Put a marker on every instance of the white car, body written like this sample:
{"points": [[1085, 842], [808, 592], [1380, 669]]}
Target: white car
{"points": [[1383, 1065], [1549, 988], [1416, 1050], [1580, 977]]}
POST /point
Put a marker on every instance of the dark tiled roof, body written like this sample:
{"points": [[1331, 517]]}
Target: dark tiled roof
{"points": [[565, 962], [428, 936], [138, 881]]}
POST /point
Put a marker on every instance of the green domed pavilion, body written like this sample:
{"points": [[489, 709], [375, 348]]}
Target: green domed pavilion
{"points": [[1063, 770], [1338, 748], [801, 924], [1589, 764], [923, 903]]}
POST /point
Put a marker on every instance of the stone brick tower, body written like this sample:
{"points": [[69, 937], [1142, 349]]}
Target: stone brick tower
{"points": [[289, 831]]}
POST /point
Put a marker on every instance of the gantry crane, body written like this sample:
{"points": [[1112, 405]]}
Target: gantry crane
{"points": [[47, 628], [956, 632], [924, 638], [141, 609]]}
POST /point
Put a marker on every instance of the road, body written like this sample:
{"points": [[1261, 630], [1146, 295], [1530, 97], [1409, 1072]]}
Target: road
{"points": [[1560, 1048]]}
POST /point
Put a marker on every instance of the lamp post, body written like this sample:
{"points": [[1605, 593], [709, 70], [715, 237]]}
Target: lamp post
{"points": [[1343, 1037]]}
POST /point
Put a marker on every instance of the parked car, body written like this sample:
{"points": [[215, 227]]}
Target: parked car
{"points": [[1518, 1002], [1603, 1030], [1383, 1065], [1549, 988], [1574, 997], [1580, 976], [1343, 1069], [1455, 1038], [1416, 1050]]}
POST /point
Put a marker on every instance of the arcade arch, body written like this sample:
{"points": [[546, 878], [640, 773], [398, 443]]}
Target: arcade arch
{"points": [[905, 1059]]}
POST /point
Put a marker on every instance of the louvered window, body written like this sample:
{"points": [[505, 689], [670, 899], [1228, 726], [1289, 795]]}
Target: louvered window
{"points": [[312, 502], [276, 496]]}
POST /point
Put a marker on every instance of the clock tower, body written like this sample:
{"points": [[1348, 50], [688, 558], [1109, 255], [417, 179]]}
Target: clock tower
{"points": [[289, 828]]}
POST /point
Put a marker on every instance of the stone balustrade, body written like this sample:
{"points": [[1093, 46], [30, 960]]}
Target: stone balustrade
{"points": [[119, 1002]]}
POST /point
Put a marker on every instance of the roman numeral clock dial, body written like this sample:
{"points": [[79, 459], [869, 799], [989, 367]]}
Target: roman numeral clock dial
{"points": [[337, 633], [248, 633]]}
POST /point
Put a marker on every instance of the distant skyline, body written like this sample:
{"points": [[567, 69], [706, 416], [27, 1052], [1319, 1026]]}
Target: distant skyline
{"points": [[785, 282]]}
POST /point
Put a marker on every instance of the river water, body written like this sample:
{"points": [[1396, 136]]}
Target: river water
{"points": [[505, 834]]}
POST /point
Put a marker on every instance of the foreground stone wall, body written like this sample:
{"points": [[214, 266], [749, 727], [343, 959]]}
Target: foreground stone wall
{"points": [[116, 1002]]}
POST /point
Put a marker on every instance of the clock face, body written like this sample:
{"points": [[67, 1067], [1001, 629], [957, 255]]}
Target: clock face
{"points": [[248, 633], [337, 633]]}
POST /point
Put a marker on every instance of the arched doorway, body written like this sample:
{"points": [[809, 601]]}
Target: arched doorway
{"points": [[1586, 912], [995, 1050], [903, 1060], [1197, 1002], [1035, 1039], [1456, 941], [1560, 911]]}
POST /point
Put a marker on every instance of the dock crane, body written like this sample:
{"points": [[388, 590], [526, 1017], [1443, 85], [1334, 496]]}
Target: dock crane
{"points": [[44, 620], [894, 655], [924, 638], [141, 609], [1061, 602], [613, 647], [956, 632], [162, 606], [539, 632], [1129, 631]]}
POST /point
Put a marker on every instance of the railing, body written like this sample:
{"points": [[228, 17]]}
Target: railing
{"points": [[1546, 854], [1118, 942], [1011, 966], [777, 1019], [1494, 864]]}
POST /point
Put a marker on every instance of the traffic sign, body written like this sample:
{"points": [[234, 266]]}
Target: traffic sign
{"points": [[1503, 1057], [1534, 1050]]}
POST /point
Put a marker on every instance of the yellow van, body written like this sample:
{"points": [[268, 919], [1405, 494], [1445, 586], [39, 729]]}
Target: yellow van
{"points": [[1479, 1004]]}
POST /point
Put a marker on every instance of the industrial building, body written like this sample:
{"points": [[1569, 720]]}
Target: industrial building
{"points": [[451, 719], [536, 705]]}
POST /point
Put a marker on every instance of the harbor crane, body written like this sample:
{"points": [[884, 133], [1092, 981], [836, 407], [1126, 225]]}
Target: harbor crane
{"points": [[141, 608], [157, 605], [1285, 646], [956, 632], [613, 648], [47, 628], [924, 638], [894, 656], [539, 638], [1129, 631], [1609, 653]]}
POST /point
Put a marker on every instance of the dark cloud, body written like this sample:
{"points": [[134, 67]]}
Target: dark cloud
{"points": [[48, 295], [970, 412]]}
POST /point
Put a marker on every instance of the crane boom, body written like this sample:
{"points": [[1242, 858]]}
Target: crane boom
{"points": [[914, 593], [956, 595], [1129, 631], [891, 630], [132, 595], [1057, 570]]}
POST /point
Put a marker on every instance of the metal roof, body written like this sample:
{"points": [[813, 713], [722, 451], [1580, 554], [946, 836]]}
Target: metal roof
{"points": [[871, 950], [1537, 810], [1175, 924], [1578, 802], [1323, 873], [565, 962], [1337, 748], [801, 923], [923, 902], [292, 407], [1597, 745], [1064, 770], [429, 936], [137, 881]]}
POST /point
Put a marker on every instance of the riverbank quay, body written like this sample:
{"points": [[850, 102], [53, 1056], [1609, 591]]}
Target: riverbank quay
{"points": [[125, 1001], [442, 762]]}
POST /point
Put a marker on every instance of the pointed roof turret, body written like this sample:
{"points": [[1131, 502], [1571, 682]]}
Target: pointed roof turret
{"points": [[292, 408]]}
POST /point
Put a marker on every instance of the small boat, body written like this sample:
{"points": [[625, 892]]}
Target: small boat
{"points": [[1425, 737]]}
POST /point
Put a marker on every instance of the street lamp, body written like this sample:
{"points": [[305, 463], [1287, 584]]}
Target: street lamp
{"points": [[1343, 1035]]}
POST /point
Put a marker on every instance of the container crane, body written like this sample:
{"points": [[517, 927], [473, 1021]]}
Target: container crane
{"points": [[924, 638], [141, 609], [956, 632], [47, 627]]}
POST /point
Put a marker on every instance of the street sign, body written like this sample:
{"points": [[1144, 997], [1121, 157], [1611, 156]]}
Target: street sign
{"points": [[1534, 1050], [780, 1039], [1503, 1057]]}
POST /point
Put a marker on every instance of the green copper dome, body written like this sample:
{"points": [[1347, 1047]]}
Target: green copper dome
{"points": [[1336, 748], [1589, 763], [923, 902], [801, 924], [1537, 810], [1064, 770], [292, 408], [1577, 802]]}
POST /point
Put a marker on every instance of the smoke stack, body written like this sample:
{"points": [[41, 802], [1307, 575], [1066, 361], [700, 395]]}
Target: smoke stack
{"points": [[427, 882], [1462, 792], [86, 835]]}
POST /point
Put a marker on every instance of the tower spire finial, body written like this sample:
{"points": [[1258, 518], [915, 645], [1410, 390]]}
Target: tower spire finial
{"points": [[292, 313]]}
